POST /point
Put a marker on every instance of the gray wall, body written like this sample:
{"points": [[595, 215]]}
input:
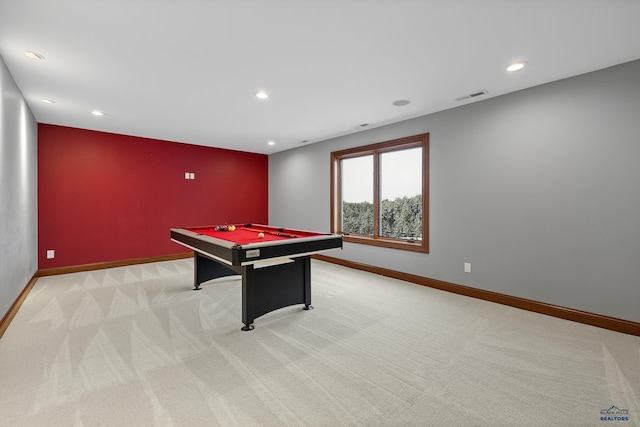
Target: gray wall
{"points": [[538, 189], [18, 192]]}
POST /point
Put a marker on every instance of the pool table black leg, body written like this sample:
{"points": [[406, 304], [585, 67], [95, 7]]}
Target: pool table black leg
{"points": [[206, 269], [270, 288], [306, 275]]}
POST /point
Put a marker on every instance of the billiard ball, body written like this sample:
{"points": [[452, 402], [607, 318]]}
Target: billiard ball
{"points": [[231, 227], [261, 235]]}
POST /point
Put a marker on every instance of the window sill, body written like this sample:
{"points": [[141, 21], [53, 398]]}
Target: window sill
{"points": [[405, 245]]}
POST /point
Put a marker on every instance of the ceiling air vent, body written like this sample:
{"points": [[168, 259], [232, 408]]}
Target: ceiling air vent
{"points": [[475, 94]]}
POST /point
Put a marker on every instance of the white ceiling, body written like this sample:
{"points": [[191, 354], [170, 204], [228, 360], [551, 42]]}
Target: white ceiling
{"points": [[187, 70]]}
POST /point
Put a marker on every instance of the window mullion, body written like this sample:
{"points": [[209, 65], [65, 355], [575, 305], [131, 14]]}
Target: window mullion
{"points": [[376, 195]]}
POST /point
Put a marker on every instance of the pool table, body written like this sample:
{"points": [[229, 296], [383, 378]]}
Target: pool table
{"points": [[274, 262]]}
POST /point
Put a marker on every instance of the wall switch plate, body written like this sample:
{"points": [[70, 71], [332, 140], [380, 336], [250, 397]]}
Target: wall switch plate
{"points": [[467, 267], [51, 254], [192, 175], [186, 175]]}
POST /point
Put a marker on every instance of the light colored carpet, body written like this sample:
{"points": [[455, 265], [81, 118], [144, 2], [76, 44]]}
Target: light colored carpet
{"points": [[136, 346]]}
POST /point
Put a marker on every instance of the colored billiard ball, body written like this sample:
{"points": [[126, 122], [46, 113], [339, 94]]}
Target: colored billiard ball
{"points": [[231, 227], [261, 235]]}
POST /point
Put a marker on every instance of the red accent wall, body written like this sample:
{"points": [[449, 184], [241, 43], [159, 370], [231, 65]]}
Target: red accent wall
{"points": [[106, 197]]}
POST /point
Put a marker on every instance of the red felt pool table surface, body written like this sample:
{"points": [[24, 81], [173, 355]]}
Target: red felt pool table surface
{"points": [[249, 233]]}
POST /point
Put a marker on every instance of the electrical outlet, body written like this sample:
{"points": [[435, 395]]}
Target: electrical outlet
{"points": [[467, 267], [51, 254], [186, 175]]}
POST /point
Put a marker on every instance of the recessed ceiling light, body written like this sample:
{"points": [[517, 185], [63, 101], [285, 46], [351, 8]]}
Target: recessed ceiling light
{"points": [[271, 143], [97, 113], [401, 102], [34, 55], [48, 101], [262, 94], [517, 66]]}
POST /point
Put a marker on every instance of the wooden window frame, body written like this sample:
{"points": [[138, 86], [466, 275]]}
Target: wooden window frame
{"points": [[421, 140]]}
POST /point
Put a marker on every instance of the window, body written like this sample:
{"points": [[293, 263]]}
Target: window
{"points": [[379, 193]]}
